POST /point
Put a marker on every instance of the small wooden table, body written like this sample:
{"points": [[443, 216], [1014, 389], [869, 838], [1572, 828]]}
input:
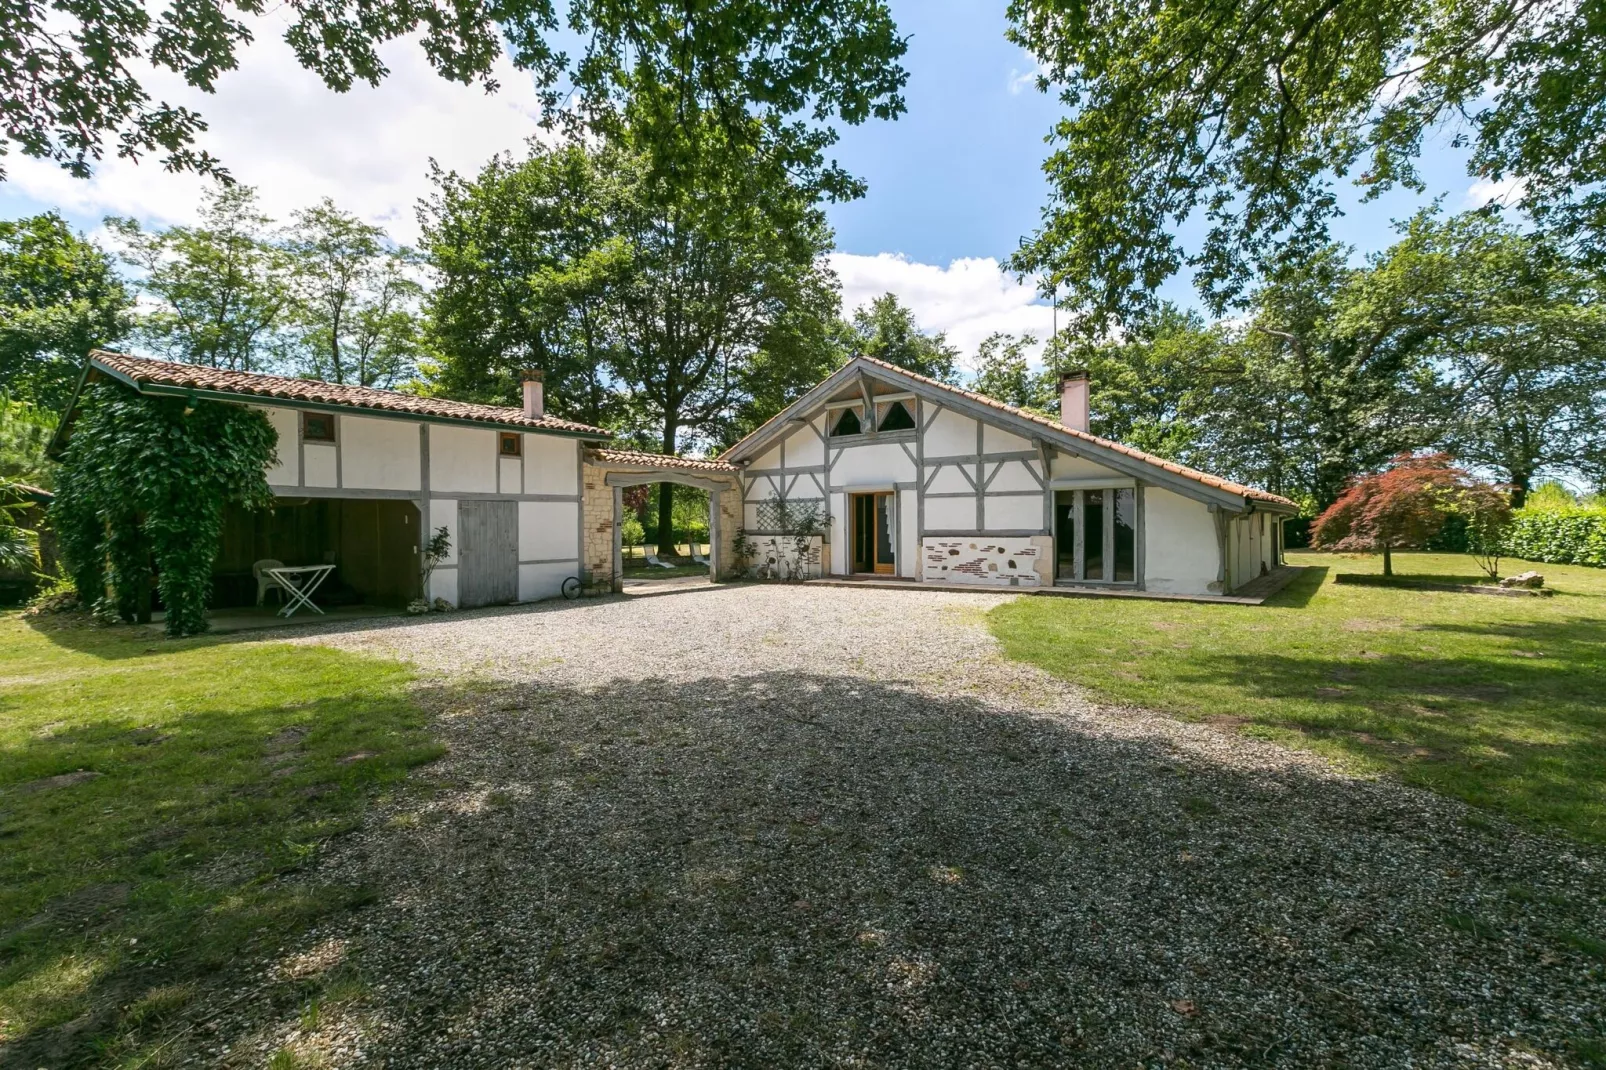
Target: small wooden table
{"points": [[299, 581]]}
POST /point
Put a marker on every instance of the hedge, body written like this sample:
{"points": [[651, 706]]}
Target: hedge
{"points": [[1563, 536]]}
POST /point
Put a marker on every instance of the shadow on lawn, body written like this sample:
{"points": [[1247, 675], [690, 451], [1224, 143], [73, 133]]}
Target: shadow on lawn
{"points": [[1521, 726], [789, 869], [1298, 594], [140, 864]]}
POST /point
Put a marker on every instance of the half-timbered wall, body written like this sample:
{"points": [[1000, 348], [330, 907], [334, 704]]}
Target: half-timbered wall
{"points": [[437, 466]]}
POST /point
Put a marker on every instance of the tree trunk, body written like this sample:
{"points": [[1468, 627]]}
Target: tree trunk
{"points": [[666, 519], [666, 493], [1519, 488], [1388, 561]]}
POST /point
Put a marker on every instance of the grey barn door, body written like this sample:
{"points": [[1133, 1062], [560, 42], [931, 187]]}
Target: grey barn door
{"points": [[488, 559]]}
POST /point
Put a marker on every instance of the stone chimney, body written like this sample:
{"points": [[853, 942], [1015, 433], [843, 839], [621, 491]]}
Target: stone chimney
{"points": [[1073, 400], [534, 403]]}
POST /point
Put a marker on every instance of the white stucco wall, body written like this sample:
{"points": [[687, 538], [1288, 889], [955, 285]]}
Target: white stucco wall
{"points": [[549, 531], [462, 458], [1179, 544], [379, 454], [1014, 512], [951, 435], [804, 448], [443, 584], [839, 557], [1013, 475], [950, 479], [950, 514], [908, 534], [872, 465], [1066, 466], [544, 581], [551, 465], [770, 458], [287, 424], [322, 463], [443, 514], [997, 440]]}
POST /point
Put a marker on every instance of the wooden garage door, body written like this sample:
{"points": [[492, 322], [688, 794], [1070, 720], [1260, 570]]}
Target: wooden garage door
{"points": [[488, 559]]}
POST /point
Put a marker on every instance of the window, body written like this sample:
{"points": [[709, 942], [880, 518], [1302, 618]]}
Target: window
{"points": [[510, 444], [847, 424], [897, 418], [317, 427], [1095, 534]]}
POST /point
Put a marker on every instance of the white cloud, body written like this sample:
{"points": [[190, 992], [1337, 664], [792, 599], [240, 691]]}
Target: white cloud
{"points": [[968, 300], [1505, 191], [277, 127], [1020, 79]]}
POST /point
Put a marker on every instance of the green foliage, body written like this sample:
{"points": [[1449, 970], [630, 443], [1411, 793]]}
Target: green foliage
{"points": [[59, 298], [221, 288], [1002, 373], [631, 533], [354, 317], [1248, 113], [143, 484], [1567, 536], [70, 80], [886, 330], [25, 433]]}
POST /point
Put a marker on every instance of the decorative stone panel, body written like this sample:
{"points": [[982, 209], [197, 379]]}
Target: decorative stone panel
{"points": [[988, 562]]}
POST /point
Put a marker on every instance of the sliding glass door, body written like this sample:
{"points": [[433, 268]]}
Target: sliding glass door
{"points": [[1095, 535]]}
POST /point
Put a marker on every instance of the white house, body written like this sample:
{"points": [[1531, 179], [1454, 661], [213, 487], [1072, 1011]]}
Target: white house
{"points": [[925, 481], [365, 475]]}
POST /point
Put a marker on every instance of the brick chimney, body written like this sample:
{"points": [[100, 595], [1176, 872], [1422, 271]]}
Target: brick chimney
{"points": [[1073, 400], [534, 403]]}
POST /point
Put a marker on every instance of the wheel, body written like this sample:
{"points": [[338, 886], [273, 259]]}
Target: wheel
{"points": [[571, 588]]}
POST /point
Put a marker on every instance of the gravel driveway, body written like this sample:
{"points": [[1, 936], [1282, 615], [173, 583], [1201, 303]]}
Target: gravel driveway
{"points": [[809, 826]]}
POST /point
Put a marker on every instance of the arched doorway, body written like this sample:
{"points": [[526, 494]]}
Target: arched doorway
{"points": [[609, 473]]}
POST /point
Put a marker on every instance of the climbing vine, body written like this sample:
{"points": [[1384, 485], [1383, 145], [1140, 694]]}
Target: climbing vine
{"points": [[141, 493]]}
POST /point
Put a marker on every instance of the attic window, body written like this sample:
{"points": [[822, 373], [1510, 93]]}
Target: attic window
{"points": [[317, 427], [897, 418], [847, 424], [511, 443]]}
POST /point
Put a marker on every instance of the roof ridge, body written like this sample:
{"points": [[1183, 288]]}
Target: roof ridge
{"points": [[1175, 467]]}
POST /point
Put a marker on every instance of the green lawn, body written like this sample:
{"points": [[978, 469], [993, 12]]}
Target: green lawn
{"points": [[151, 794], [1498, 701]]}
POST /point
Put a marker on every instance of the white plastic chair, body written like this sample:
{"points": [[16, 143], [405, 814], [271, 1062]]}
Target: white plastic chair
{"points": [[266, 583]]}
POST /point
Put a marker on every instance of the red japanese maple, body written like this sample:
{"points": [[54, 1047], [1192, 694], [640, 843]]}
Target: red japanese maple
{"points": [[1404, 506]]}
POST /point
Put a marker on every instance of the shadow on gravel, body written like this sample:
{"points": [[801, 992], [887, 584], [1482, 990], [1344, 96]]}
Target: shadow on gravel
{"points": [[791, 870]]}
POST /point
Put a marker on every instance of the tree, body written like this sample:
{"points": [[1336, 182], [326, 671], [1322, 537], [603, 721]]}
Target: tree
{"points": [[673, 312], [709, 276], [221, 288], [1248, 113], [1003, 374], [60, 297], [886, 330], [524, 257], [1403, 506], [25, 433], [353, 318], [777, 72], [1521, 344], [1151, 386]]}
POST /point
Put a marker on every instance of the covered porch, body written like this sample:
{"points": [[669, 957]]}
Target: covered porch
{"points": [[370, 545]]}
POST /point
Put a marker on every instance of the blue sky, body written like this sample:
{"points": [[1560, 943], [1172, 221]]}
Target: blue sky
{"points": [[953, 185]]}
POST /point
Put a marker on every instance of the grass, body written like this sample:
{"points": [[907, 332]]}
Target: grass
{"points": [[1497, 701], [152, 795]]}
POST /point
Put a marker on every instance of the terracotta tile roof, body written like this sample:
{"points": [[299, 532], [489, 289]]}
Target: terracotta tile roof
{"points": [[251, 384], [1148, 458], [658, 460]]}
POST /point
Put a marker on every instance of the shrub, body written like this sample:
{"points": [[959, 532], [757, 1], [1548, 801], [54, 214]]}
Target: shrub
{"points": [[1566, 536], [141, 491]]}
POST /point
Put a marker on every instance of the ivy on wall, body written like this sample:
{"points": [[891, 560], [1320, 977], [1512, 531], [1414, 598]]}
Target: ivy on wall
{"points": [[140, 497]]}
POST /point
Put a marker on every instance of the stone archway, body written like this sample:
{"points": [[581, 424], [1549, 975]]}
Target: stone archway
{"points": [[608, 472]]}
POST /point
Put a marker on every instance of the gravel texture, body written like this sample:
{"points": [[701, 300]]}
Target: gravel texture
{"points": [[809, 826]]}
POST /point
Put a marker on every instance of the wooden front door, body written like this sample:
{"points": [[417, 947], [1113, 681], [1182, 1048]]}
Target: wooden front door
{"points": [[872, 534], [488, 553]]}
